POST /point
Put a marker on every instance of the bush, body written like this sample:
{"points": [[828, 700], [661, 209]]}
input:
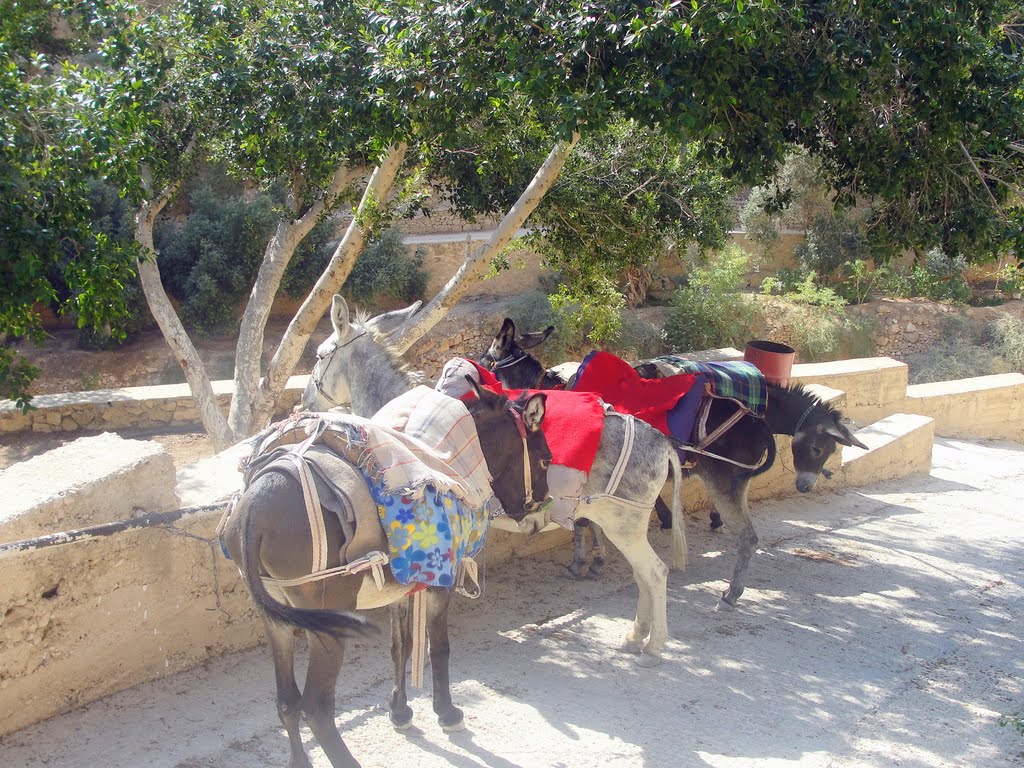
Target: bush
{"points": [[385, 268], [209, 263], [833, 240], [937, 277], [711, 311], [634, 340]]}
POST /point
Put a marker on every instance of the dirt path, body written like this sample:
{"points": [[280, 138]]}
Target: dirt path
{"points": [[881, 627]]}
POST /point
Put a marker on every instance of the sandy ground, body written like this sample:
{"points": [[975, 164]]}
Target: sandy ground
{"points": [[881, 628]]}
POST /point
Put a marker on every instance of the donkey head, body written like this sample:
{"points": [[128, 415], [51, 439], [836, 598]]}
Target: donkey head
{"points": [[517, 453], [815, 435], [508, 359], [355, 344]]}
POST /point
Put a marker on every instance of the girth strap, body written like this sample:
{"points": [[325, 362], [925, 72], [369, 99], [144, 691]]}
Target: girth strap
{"points": [[628, 438]]}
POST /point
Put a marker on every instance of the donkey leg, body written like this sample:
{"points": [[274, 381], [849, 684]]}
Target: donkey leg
{"points": [[449, 716], [598, 551], [730, 497], [289, 697], [325, 657], [627, 530], [401, 647], [579, 557]]}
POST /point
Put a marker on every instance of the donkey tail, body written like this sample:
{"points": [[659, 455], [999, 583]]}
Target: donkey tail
{"points": [[337, 624], [678, 526]]}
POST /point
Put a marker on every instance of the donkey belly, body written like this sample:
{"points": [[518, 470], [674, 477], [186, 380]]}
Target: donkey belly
{"points": [[370, 597]]}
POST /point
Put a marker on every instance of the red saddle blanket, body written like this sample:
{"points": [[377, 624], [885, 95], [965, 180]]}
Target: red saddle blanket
{"points": [[572, 421], [617, 384]]}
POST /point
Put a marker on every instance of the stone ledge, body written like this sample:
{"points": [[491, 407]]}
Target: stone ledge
{"points": [[898, 445], [875, 386], [89, 481], [983, 406]]}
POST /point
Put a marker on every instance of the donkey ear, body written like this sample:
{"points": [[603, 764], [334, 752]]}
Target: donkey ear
{"points": [[533, 412], [841, 434], [475, 386], [387, 323], [339, 315], [530, 340], [503, 339]]}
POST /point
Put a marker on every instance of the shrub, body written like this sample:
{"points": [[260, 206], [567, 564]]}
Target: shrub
{"points": [[937, 277], [386, 268], [834, 239], [210, 261], [1008, 340], [711, 311]]}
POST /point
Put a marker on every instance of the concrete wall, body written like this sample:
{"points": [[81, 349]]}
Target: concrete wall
{"points": [[984, 406]]}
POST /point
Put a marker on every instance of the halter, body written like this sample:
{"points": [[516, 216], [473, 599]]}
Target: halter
{"points": [[527, 473], [508, 360], [806, 413], [318, 383]]}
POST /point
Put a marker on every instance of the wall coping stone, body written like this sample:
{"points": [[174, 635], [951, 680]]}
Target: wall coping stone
{"points": [[958, 386]]}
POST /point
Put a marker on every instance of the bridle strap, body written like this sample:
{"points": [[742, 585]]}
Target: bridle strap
{"points": [[527, 473], [800, 421], [319, 382], [508, 361]]}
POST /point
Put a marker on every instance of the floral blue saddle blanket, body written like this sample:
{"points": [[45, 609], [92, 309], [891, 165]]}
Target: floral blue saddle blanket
{"points": [[429, 534]]}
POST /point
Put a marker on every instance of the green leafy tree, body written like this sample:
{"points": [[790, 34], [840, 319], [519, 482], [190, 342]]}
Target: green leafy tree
{"points": [[45, 225]]}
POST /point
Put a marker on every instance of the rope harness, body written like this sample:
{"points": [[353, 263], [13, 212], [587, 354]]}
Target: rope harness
{"points": [[467, 578]]}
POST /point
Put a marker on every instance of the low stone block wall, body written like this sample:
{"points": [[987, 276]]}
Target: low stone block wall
{"points": [[91, 480], [85, 620], [984, 406], [124, 408], [875, 387], [900, 445]]}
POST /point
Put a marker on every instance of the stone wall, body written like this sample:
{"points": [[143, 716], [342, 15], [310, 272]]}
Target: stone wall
{"points": [[908, 326]]}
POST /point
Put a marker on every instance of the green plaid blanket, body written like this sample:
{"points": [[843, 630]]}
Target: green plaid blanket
{"points": [[736, 380]]}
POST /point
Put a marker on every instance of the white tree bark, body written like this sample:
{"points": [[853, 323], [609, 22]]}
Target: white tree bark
{"points": [[308, 315], [170, 324], [249, 349], [477, 263]]}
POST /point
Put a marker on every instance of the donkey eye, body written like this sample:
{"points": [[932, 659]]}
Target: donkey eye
{"points": [[816, 451], [544, 463]]}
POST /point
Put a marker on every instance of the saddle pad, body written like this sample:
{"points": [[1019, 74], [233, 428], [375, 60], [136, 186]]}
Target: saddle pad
{"points": [[572, 420], [735, 380], [429, 534], [615, 381]]}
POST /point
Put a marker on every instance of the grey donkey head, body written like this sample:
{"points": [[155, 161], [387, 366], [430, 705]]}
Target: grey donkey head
{"points": [[353, 366]]}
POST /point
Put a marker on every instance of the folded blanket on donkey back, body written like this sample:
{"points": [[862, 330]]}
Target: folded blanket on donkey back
{"points": [[422, 460]]}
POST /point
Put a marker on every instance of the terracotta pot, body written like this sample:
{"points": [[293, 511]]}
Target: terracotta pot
{"points": [[773, 359]]}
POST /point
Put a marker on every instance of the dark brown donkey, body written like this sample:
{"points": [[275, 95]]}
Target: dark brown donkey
{"points": [[817, 429], [268, 535]]}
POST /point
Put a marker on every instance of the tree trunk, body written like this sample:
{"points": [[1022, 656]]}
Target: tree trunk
{"points": [[344, 257], [249, 349], [476, 264], [170, 325], [638, 282]]}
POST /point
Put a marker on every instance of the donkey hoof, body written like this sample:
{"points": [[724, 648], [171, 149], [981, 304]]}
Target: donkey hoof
{"points": [[633, 644], [716, 521], [649, 659], [452, 721], [594, 572], [724, 604], [401, 718], [573, 571]]}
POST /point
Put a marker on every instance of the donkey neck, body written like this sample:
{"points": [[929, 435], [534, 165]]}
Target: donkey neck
{"points": [[786, 407]]}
